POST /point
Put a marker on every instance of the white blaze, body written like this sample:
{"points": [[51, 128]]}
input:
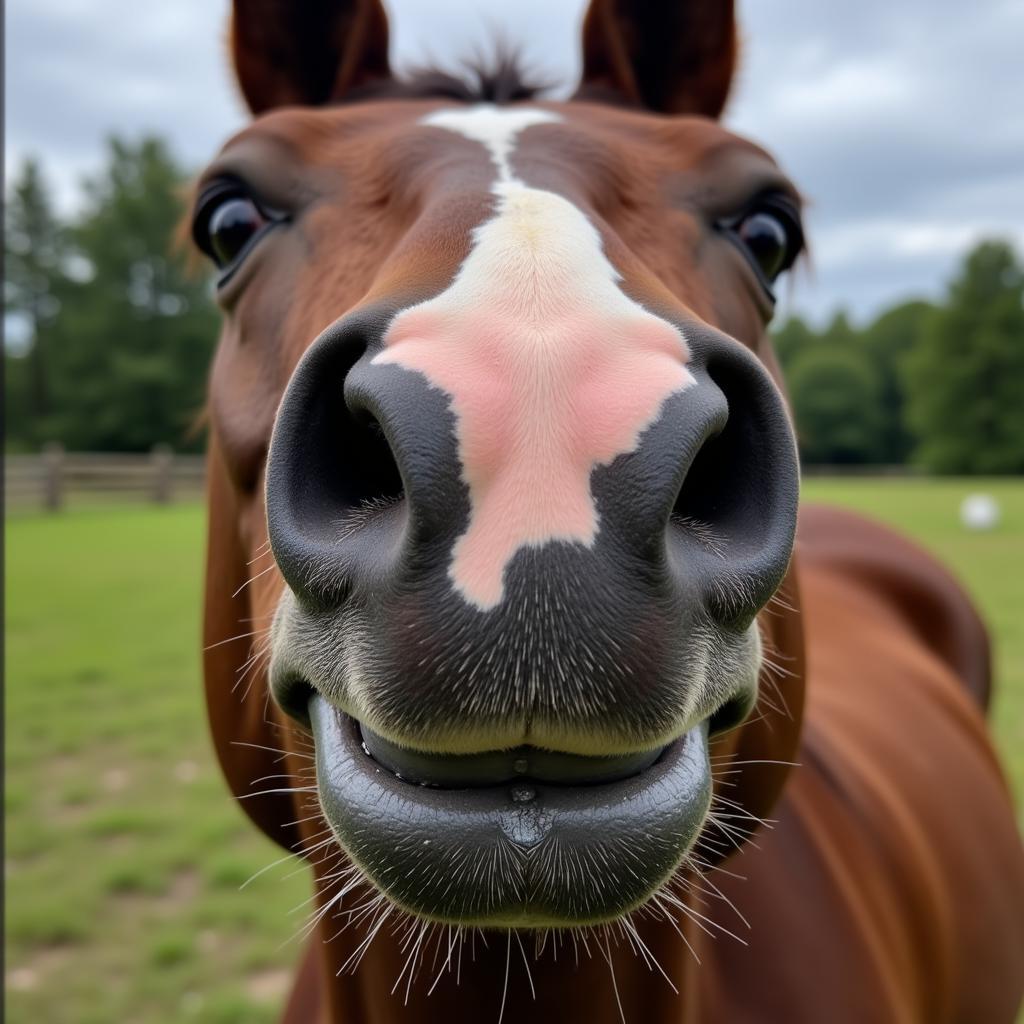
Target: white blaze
{"points": [[550, 368]]}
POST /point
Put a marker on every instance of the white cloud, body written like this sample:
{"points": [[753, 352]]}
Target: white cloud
{"points": [[902, 121], [844, 90], [888, 241]]}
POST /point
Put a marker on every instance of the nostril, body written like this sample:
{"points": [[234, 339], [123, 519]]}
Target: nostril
{"points": [[331, 473], [368, 467], [702, 504], [736, 507], [724, 477], [341, 478], [340, 463]]}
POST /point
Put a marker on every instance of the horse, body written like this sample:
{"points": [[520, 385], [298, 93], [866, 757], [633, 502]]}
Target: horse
{"points": [[574, 712]]}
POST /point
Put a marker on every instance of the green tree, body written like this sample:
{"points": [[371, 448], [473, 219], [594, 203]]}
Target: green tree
{"points": [[35, 250], [965, 379], [886, 342], [834, 389], [138, 333], [115, 333], [840, 333], [792, 338], [835, 393]]}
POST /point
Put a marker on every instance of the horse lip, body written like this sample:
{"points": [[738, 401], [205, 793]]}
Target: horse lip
{"points": [[411, 840], [500, 767]]}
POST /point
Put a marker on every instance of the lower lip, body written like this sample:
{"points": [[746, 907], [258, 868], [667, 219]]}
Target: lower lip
{"points": [[413, 841]]}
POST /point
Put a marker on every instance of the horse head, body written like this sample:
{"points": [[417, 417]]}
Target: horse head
{"points": [[500, 470]]}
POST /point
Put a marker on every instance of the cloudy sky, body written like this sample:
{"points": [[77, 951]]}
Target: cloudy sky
{"points": [[902, 120]]}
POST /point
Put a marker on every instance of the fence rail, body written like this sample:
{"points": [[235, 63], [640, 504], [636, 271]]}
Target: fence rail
{"points": [[54, 477]]}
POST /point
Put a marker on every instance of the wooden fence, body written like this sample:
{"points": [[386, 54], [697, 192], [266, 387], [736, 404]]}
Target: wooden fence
{"points": [[50, 479]]}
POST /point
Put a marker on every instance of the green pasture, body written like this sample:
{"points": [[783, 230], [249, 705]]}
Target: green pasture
{"points": [[124, 854]]}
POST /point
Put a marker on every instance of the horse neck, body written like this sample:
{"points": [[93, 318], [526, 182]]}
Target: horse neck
{"points": [[603, 976]]}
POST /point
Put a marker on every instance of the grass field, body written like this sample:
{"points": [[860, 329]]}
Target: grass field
{"points": [[124, 854]]}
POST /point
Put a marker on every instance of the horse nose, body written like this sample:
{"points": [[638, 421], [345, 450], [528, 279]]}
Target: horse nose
{"points": [[368, 492]]}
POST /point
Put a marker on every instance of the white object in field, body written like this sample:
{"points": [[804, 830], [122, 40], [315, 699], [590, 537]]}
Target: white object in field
{"points": [[979, 512]]}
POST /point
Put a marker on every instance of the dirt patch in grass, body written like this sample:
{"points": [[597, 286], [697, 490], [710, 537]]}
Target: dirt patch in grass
{"points": [[268, 986], [173, 900], [184, 890], [38, 968]]}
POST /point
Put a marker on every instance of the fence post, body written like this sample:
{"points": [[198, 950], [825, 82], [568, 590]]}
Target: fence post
{"points": [[162, 460], [53, 475]]}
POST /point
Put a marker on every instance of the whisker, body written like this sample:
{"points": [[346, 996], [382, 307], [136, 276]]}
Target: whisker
{"points": [[504, 987], [272, 750], [526, 964], [240, 636], [285, 789], [252, 579], [611, 968]]}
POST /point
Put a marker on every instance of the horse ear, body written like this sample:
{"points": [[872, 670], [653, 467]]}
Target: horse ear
{"points": [[307, 52], [670, 56]]}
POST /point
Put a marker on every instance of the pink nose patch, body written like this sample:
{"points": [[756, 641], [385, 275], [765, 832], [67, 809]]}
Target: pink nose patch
{"points": [[550, 371]]}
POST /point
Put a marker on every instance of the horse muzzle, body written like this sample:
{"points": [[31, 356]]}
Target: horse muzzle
{"points": [[523, 742]]}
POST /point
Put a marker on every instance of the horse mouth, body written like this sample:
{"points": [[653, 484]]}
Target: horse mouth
{"points": [[523, 838]]}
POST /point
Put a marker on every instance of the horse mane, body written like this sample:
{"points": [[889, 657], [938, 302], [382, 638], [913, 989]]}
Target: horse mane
{"points": [[500, 76]]}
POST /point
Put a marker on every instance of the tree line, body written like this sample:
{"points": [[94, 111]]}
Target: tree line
{"points": [[939, 386], [109, 329]]}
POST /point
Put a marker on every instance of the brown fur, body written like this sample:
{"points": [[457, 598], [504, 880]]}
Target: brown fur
{"points": [[891, 887]]}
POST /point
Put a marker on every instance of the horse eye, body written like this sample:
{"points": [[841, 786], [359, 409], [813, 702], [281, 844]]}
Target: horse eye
{"points": [[771, 237], [766, 239], [226, 222], [232, 225]]}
